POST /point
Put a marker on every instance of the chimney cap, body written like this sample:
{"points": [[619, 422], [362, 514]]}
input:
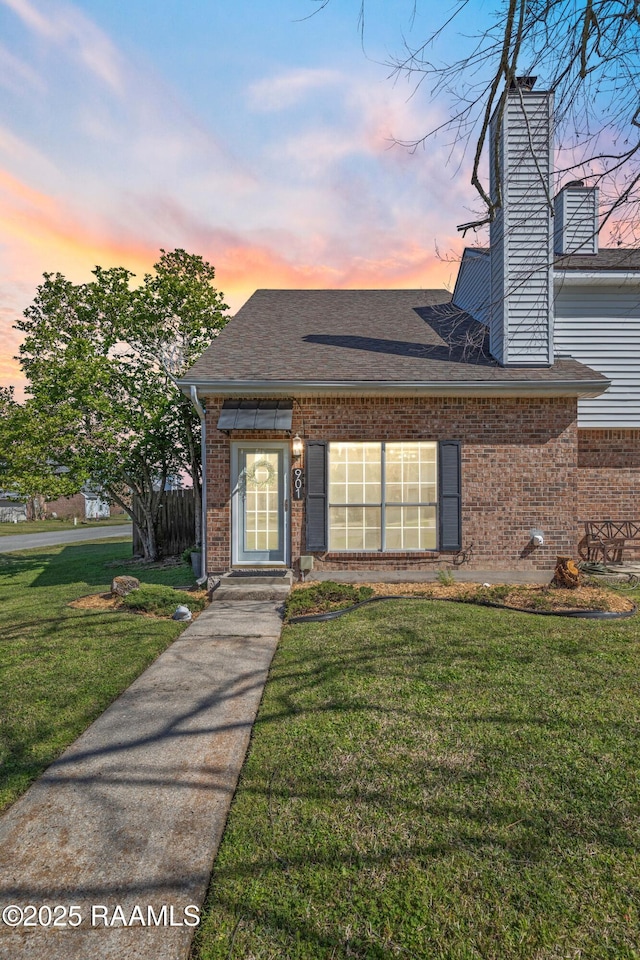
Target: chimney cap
{"points": [[523, 83]]}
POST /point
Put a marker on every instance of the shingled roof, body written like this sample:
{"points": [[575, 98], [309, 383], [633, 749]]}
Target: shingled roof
{"points": [[360, 337], [607, 258]]}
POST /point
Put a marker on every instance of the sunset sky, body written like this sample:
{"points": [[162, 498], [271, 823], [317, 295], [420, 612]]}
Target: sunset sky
{"points": [[256, 134]]}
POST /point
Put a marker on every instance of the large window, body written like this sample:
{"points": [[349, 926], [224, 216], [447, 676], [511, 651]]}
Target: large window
{"points": [[382, 496]]}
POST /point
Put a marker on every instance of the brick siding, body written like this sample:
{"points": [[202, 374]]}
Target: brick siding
{"points": [[609, 476], [519, 462], [65, 508]]}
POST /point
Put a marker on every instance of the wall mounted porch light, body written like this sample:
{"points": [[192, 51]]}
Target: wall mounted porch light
{"points": [[537, 537], [296, 447]]}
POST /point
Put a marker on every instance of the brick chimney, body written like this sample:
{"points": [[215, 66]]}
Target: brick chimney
{"points": [[576, 219], [521, 313]]}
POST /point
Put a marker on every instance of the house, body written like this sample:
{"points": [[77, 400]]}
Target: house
{"points": [[12, 509], [86, 505], [398, 429]]}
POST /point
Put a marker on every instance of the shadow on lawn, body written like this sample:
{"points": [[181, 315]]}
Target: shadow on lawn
{"points": [[75, 563], [485, 792], [66, 625]]}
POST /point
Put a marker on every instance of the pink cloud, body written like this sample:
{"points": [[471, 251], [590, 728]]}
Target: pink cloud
{"points": [[15, 73], [289, 88], [67, 27], [311, 206]]}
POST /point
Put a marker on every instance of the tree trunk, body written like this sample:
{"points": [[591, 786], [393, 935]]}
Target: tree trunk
{"points": [[566, 574], [146, 529], [150, 542], [143, 522], [36, 507]]}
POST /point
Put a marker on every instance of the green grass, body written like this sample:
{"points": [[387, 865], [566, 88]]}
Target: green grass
{"points": [[61, 667], [53, 526], [431, 780], [323, 596]]}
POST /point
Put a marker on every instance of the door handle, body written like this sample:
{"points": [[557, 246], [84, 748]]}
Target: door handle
{"points": [[286, 506]]}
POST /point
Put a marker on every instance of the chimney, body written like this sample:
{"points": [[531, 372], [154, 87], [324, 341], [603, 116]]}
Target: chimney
{"points": [[521, 317], [576, 219]]}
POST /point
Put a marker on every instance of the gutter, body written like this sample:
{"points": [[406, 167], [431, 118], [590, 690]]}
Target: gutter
{"points": [[595, 278], [203, 489], [397, 388]]}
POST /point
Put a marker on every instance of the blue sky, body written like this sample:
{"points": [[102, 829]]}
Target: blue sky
{"points": [[254, 134]]}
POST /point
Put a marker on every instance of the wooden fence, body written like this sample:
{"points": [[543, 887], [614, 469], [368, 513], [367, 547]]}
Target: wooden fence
{"points": [[176, 526]]}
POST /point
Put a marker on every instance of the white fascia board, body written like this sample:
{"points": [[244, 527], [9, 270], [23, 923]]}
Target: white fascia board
{"points": [[369, 388], [596, 278]]}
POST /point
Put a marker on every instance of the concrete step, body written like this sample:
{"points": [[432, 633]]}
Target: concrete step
{"points": [[252, 588], [236, 590], [285, 581]]}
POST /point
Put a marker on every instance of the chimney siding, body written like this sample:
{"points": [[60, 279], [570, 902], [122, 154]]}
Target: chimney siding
{"points": [[521, 316], [576, 220]]}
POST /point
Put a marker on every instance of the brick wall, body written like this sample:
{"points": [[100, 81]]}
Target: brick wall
{"points": [[609, 476], [519, 461], [65, 508]]}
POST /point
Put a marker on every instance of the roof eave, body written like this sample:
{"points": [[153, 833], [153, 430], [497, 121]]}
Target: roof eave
{"points": [[378, 388], [595, 277]]}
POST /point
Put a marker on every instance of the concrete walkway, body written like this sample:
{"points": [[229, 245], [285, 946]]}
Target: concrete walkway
{"points": [[24, 541], [132, 814]]}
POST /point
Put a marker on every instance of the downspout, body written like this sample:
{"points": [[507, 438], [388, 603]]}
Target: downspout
{"points": [[203, 488]]}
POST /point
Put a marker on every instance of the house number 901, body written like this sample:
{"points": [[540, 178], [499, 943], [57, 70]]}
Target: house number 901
{"points": [[297, 482]]}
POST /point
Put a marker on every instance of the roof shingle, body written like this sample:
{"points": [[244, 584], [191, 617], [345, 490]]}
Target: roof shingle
{"points": [[347, 336]]}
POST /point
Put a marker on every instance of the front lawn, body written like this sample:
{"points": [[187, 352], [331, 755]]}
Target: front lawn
{"points": [[54, 526], [431, 780], [60, 667]]}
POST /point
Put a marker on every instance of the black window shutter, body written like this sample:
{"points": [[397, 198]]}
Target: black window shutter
{"points": [[450, 495], [316, 504]]}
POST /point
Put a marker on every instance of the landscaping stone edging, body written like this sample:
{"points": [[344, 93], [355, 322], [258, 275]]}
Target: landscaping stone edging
{"points": [[581, 614]]}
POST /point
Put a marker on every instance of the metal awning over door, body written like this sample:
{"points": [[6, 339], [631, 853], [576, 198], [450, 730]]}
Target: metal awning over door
{"points": [[256, 415]]}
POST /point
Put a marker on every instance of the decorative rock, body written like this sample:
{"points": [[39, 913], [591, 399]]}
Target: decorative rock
{"points": [[121, 586], [182, 613]]}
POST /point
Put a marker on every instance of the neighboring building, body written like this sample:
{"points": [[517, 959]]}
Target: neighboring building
{"points": [[12, 509], [86, 505], [435, 427]]}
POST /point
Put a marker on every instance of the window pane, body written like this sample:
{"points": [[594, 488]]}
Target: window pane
{"points": [[410, 528], [337, 472], [354, 528], [261, 526], [354, 473], [339, 492], [355, 495], [411, 472]]}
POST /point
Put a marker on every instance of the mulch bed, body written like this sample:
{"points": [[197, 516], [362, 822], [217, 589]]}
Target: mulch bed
{"points": [[521, 596], [107, 601], [97, 601]]}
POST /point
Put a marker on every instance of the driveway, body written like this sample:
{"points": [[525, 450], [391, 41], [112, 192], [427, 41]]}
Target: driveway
{"points": [[26, 540]]}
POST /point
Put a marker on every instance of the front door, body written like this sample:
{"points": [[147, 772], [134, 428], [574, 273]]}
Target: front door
{"points": [[260, 508]]}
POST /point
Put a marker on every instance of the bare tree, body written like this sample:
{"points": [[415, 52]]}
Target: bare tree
{"points": [[586, 51]]}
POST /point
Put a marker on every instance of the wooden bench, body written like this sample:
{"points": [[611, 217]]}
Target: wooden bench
{"points": [[605, 540]]}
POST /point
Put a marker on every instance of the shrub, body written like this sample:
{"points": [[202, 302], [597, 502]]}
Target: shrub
{"points": [[323, 596], [495, 594], [445, 578], [161, 600]]}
